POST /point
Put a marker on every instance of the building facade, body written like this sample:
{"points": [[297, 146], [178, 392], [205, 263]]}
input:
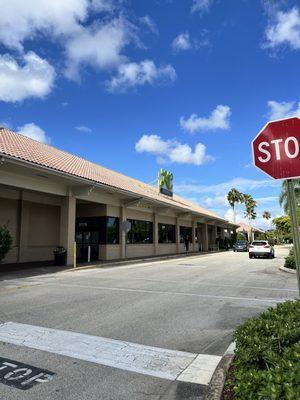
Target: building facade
{"points": [[51, 198]]}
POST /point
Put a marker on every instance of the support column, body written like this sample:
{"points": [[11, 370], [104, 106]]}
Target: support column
{"points": [[204, 237], [155, 234], [194, 226], [214, 234], [23, 229], [67, 226], [122, 232], [222, 233], [177, 236]]}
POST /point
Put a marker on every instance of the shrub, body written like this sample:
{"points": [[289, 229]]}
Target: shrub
{"points": [[5, 241], [290, 260], [267, 362]]}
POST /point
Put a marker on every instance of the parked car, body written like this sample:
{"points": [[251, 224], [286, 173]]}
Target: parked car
{"points": [[261, 248], [240, 245]]}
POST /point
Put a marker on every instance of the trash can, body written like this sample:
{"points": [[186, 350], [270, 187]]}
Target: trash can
{"points": [[60, 256]]}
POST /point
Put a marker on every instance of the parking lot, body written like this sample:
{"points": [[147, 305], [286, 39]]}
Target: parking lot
{"points": [[153, 331]]}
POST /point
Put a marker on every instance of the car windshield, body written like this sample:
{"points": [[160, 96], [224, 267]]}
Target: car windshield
{"points": [[241, 242], [259, 243]]}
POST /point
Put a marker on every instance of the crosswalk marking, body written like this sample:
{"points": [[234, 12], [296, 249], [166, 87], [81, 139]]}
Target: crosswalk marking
{"points": [[147, 360]]}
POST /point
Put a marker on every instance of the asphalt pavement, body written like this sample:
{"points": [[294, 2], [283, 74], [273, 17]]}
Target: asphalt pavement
{"points": [[151, 331]]}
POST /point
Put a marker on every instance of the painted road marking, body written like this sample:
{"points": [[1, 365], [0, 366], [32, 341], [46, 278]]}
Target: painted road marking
{"points": [[22, 376], [208, 296], [147, 360]]}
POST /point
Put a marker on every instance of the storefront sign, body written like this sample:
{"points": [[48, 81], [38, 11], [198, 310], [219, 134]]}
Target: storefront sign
{"points": [[165, 182]]}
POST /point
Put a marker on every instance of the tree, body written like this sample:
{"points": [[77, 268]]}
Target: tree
{"points": [[266, 215], [5, 241], [283, 197], [283, 227], [234, 197], [250, 213]]}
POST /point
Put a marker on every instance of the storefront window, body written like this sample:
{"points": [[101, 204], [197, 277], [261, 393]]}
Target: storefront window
{"points": [[106, 229], [112, 230], [166, 233], [140, 232], [184, 232]]}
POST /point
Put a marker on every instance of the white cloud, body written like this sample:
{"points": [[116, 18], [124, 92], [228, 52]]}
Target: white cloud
{"points": [[284, 30], [83, 128], [99, 46], [242, 184], [172, 151], [33, 78], [212, 202], [150, 24], [219, 119], [21, 20], [280, 110], [201, 5], [33, 131], [182, 42], [89, 33], [138, 74]]}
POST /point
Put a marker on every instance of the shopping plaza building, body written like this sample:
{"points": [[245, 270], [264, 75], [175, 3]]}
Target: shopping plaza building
{"points": [[51, 198]]}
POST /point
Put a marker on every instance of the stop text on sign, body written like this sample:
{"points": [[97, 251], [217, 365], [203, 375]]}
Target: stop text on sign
{"points": [[276, 149], [282, 148]]}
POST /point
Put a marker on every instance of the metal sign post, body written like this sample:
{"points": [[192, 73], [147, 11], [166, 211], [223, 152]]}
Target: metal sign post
{"points": [[294, 223], [126, 226]]}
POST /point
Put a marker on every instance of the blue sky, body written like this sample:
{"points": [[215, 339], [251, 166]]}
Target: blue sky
{"points": [[135, 85]]}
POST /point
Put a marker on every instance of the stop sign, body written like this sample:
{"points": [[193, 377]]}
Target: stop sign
{"points": [[276, 149]]}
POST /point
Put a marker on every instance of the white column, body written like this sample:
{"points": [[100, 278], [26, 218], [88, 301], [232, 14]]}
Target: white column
{"points": [[155, 233], [177, 236], [67, 226], [222, 233], [194, 226], [204, 237], [23, 229], [214, 235], [122, 232]]}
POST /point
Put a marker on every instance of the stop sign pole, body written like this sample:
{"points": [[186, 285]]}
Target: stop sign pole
{"points": [[294, 222], [276, 151]]}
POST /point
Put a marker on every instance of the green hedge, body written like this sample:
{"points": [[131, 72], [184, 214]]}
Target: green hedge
{"points": [[290, 260], [267, 362]]}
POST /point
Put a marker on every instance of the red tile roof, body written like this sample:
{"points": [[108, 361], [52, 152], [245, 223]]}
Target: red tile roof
{"points": [[23, 148]]}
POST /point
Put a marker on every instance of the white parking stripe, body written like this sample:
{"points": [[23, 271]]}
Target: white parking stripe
{"points": [[147, 360], [209, 296]]}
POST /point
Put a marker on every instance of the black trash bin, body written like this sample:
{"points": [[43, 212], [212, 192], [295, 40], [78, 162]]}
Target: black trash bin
{"points": [[60, 256]]}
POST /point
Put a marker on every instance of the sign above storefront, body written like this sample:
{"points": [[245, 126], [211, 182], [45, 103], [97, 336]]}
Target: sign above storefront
{"points": [[165, 182]]}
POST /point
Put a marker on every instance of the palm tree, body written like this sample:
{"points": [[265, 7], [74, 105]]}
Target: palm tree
{"points": [[233, 197], [250, 213], [266, 215], [283, 197]]}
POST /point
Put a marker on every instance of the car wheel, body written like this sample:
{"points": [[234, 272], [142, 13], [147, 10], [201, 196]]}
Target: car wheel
{"points": [[250, 256]]}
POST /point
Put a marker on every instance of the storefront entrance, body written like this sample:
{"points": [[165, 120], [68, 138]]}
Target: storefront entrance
{"points": [[84, 240], [87, 235]]}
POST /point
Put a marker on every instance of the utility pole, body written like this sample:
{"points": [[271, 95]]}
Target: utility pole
{"points": [[294, 223]]}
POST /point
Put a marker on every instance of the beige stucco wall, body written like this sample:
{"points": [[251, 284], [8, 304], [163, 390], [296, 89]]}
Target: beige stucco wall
{"points": [[38, 235], [139, 250], [41, 231], [9, 217]]}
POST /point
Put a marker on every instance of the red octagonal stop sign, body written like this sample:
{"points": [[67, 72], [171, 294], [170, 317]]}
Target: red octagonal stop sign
{"points": [[276, 149]]}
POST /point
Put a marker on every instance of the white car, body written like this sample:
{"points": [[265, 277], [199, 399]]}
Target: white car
{"points": [[261, 248]]}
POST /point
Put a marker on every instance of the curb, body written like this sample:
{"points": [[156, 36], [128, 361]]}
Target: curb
{"points": [[144, 260], [219, 376], [288, 270]]}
